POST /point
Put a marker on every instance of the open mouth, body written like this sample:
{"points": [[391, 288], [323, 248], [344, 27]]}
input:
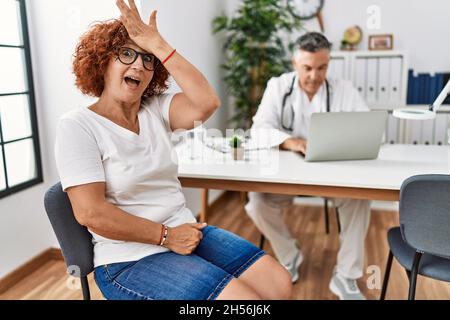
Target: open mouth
{"points": [[132, 82]]}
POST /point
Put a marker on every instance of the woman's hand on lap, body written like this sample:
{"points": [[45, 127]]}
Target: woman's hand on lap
{"points": [[185, 238]]}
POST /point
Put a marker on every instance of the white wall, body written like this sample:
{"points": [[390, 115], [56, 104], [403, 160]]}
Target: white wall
{"points": [[419, 26], [55, 26], [186, 25]]}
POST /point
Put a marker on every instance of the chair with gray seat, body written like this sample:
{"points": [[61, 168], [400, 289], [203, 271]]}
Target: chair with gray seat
{"points": [[421, 244], [74, 239]]}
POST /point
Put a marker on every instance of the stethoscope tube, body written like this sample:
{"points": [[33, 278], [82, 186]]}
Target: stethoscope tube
{"points": [[286, 96]]}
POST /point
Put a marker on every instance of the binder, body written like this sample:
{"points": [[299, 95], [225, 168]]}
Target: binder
{"points": [[396, 85], [360, 77], [337, 69], [426, 88], [384, 74], [439, 84], [432, 90], [409, 96], [440, 129], [416, 88], [427, 132], [372, 80], [392, 130], [423, 90], [414, 132], [446, 77], [331, 69]]}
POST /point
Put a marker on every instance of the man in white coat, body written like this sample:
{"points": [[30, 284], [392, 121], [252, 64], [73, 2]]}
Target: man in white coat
{"points": [[287, 105]]}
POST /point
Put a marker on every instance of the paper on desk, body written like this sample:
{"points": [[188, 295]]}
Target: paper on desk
{"points": [[265, 138], [220, 145], [260, 139]]}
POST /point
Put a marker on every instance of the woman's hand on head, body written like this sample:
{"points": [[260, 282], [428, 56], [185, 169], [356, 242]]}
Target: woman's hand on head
{"points": [[185, 238], [144, 35]]}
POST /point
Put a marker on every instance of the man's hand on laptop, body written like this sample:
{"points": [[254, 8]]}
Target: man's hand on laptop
{"points": [[294, 144]]}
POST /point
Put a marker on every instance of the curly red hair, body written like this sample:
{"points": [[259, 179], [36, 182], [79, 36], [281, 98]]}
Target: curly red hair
{"points": [[93, 53]]}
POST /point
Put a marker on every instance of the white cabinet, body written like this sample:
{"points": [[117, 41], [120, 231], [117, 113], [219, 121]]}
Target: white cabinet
{"points": [[380, 76]]}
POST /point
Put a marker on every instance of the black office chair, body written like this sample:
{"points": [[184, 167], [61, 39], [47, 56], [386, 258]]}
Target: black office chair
{"points": [[74, 239], [421, 244], [327, 223]]}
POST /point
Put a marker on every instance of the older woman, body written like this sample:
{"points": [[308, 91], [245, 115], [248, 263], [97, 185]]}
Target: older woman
{"points": [[114, 160]]}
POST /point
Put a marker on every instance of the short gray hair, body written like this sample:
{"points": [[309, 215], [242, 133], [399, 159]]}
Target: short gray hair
{"points": [[313, 42]]}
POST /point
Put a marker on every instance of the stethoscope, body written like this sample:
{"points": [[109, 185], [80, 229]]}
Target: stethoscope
{"points": [[288, 93]]}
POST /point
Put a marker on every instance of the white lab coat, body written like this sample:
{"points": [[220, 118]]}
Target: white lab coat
{"points": [[343, 97], [266, 209]]}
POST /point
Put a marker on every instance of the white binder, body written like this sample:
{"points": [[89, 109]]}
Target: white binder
{"points": [[396, 85], [414, 132], [372, 80], [336, 69], [384, 74], [339, 68], [360, 76], [440, 129], [392, 130], [427, 132]]}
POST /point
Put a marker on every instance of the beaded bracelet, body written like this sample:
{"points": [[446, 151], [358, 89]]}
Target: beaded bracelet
{"points": [[164, 237], [162, 234]]}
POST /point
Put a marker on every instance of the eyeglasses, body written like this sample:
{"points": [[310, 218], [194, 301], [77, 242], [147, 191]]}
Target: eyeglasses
{"points": [[129, 56]]}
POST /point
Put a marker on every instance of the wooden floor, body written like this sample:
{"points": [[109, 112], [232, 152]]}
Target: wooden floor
{"points": [[307, 222]]}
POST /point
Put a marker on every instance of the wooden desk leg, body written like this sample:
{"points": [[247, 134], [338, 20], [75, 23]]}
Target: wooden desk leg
{"points": [[204, 205]]}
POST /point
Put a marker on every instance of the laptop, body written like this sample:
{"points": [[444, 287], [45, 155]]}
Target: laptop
{"points": [[337, 136]]}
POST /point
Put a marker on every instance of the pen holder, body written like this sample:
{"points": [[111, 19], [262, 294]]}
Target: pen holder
{"points": [[238, 153]]}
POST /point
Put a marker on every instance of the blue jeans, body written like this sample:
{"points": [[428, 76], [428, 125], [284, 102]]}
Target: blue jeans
{"points": [[202, 275]]}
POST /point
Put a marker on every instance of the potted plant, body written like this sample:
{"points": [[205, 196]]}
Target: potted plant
{"points": [[255, 51], [237, 149]]}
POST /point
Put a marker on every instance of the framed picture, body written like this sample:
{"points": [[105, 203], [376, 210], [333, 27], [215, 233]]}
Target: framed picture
{"points": [[381, 42]]}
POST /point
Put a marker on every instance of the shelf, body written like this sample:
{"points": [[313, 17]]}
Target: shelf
{"points": [[370, 53]]}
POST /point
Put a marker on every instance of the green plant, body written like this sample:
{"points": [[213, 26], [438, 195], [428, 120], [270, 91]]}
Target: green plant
{"points": [[235, 141], [254, 51]]}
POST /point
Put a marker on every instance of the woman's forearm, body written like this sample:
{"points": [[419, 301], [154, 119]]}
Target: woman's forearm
{"points": [[113, 223], [191, 81]]}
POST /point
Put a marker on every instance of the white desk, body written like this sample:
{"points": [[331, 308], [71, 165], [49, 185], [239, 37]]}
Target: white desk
{"points": [[378, 179]]}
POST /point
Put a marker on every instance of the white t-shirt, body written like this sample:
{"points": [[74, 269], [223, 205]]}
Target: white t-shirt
{"points": [[343, 97], [140, 171]]}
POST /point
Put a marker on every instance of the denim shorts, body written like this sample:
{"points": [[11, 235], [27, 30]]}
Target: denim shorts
{"points": [[202, 275]]}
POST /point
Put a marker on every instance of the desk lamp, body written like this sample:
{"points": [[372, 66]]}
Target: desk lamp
{"points": [[423, 114]]}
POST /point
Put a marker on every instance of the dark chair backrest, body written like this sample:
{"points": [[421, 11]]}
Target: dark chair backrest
{"points": [[74, 239], [425, 213]]}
